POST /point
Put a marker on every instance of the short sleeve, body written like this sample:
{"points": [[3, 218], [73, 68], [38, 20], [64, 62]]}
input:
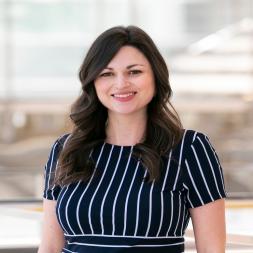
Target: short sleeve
{"points": [[51, 190], [203, 177]]}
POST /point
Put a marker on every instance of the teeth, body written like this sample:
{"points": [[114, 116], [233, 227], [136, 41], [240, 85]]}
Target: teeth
{"points": [[123, 95]]}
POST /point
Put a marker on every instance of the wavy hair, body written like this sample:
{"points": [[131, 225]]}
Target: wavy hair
{"points": [[89, 116]]}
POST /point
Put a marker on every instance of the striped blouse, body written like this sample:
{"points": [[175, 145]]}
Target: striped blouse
{"points": [[117, 212]]}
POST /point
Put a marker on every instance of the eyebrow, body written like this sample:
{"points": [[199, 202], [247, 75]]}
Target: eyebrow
{"points": [[128, 67]]}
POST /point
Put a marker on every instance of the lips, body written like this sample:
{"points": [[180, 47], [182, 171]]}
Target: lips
{"points": [[124, 95]]}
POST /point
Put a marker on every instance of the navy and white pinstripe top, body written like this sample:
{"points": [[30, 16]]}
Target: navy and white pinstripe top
{"points": [[116, 212]]}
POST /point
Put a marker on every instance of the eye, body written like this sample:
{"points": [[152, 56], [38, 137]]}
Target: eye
{"points": [[135, 72], [106, 74]]}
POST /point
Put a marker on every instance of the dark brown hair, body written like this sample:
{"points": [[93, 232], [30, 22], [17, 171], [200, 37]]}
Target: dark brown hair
{"points": [[164, 129]]}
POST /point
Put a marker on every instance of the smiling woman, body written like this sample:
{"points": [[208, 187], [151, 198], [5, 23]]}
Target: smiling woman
{"points": [[127, 85], [129, 177]]}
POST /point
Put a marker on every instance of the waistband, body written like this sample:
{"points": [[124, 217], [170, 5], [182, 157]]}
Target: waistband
{"points": [[122, 244]]}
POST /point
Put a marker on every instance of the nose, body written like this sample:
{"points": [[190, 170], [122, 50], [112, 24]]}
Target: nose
{"points": [[121, 81]]}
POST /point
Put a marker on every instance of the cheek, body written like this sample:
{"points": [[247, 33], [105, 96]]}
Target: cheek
{"points": [[102, 93], [150, 86], [96, 86], [100, 88]]}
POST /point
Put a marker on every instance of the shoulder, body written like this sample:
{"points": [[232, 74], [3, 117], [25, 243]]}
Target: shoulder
{"points": [[54, 153], [58, 145], [199, 147], [62, 139], [193, 137]]}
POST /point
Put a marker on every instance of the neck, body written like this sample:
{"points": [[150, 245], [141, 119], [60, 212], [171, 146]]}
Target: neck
{"points": [[125, 130]]}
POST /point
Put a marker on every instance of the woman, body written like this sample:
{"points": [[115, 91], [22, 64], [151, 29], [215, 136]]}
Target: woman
{"points": [[128, 177]]}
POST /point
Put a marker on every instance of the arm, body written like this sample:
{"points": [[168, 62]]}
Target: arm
{"points": [[209, 227], [52, 235]]}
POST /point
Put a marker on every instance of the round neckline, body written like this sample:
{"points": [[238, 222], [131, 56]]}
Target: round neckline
{"points": [[119, 146]]}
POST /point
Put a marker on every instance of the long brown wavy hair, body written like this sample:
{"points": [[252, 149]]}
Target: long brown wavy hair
{"points": [[89, 116]]}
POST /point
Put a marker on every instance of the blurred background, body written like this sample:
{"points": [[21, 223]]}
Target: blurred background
{"points": [[208, 46]]}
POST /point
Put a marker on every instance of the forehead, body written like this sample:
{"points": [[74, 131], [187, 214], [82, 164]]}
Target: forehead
{"points": [[128, 55]]}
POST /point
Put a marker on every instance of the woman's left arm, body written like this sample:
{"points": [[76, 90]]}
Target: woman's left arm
{"points": [[209, 227]]}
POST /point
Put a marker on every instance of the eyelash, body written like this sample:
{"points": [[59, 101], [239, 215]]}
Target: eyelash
{"points": [[106, 74], [134, 72]]}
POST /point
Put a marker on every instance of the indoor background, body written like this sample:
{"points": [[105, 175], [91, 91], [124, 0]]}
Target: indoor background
{"points": [[208, 46]]}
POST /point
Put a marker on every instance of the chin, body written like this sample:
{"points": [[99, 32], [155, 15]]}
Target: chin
{"points": [[124, 112]]}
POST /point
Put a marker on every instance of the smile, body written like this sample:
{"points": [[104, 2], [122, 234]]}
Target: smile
{"points": [[124, 95]]}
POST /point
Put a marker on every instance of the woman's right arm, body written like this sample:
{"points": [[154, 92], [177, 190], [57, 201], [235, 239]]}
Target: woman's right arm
{"points": [[52, 240]]}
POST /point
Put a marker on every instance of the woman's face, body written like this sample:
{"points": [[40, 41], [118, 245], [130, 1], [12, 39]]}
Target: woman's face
{"points": [[126, 85]]}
